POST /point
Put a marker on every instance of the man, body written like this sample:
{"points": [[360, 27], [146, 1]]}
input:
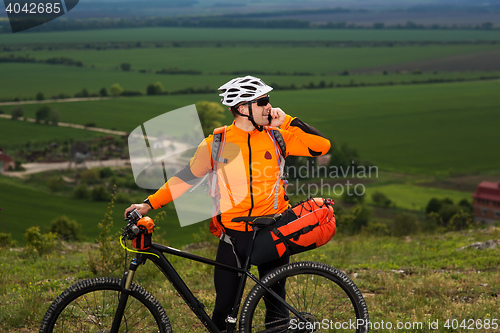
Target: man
{"points": [[257, 190]]}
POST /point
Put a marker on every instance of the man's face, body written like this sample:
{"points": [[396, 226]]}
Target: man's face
{"points": [[260, 109]]}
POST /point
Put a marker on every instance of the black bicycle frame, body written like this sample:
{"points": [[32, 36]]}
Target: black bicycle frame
{"points": [[156, 254]]}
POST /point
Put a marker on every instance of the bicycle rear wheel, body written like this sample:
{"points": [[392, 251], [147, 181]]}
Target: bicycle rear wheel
{"points": [[90, 305], [324, 296]]}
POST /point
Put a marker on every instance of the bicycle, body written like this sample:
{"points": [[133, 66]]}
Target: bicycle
{"points": [[318, 298]]}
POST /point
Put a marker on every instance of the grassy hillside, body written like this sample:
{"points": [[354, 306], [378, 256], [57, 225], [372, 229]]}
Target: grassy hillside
{"points": [[409, 280]]}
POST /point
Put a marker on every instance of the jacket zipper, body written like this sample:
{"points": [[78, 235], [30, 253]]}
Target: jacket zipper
{"points": [[251, 179]]}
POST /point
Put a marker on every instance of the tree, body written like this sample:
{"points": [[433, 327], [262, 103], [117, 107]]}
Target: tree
{"points": [[43, 115], [380, 199], [210, 115], [39, 96], [103, 92], [125, 66], [115, 90], [67, 229], [154, 88], [54, 117], [17, 113], [433, 206]]}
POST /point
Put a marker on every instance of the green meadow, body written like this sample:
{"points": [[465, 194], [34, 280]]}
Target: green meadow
{"points": [[414, 197], [21, 132], [244, 35], [425, 128], [26, 203], [405, 125], [318, 60]]}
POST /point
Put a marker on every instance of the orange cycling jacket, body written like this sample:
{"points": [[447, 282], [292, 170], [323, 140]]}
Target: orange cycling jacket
{"points": [[247, 182]]}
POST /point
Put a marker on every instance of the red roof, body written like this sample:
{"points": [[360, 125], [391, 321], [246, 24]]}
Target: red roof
{"points": [[488, 191]]}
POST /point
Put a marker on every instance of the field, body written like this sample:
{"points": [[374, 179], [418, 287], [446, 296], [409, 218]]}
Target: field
{"points": [[243, 35], [44, 206], [38, 133], [431, 129]]}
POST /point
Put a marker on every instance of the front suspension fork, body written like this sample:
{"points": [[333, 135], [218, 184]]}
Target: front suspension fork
{"points": [[128, 277]]}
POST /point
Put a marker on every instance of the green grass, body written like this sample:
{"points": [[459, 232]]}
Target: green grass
{"points": [[287, 59], [216, 34], [323, 63], [19, 132], [431, 129], [414, 129], [54, 80], [414, 197], [26, 204], [412, 279]]}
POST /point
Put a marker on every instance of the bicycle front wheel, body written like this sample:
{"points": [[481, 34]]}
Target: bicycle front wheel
{"points": [[90, 305], [324, 296]]}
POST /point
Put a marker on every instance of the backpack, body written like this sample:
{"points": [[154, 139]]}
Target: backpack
{"points": [[307, 225], [219, 138]]}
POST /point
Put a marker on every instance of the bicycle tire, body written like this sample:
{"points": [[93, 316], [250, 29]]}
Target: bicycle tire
{"points": [[326, 297], [89, 306]]}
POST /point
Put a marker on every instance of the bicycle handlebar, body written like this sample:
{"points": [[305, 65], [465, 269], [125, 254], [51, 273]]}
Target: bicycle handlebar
{"points": [[131, 230]]}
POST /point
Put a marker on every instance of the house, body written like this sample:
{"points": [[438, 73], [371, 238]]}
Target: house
{"points": [[487, 202], [6, 162]]}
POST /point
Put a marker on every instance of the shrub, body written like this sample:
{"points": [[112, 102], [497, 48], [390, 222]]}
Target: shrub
{"points": [[55, 183], [355, 220], [115, 90], [432, 222], [353, 197], [461, 220], [6, 240], [377, 229], [154, 88], [81, 191], [106, 172], [67, 229], [110, 256], [42, 243], [125, 66], [100, 193], [122, 197], [17, 113], [380, 199], [90, 176], [405, 224], [42, 115]]}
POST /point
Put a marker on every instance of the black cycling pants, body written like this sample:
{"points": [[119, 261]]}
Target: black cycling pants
{"points": [[226, 282]]}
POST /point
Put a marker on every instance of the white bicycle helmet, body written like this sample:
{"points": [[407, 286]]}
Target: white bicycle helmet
{"points": [[243, 89]]}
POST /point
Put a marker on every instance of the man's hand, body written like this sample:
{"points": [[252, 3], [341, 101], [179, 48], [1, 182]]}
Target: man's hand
{"points": [[278, 117], [142, 208]]}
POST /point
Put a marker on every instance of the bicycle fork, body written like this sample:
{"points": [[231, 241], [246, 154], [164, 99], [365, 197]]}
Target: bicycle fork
{"points": [[128, 277]]}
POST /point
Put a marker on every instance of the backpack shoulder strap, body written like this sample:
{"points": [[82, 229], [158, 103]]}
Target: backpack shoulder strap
{"points": [[280, 141], [219, 136]]}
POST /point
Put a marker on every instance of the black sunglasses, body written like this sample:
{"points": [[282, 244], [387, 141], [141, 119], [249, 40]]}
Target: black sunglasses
{"points": [[263, 101]]}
